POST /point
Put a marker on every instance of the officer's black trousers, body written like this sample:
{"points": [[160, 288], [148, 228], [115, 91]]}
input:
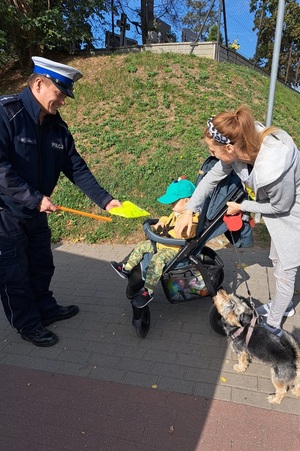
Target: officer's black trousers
{"points": [[26, 269]]}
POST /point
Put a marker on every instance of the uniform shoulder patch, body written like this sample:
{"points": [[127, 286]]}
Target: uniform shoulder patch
{"points": [[11, 104]]}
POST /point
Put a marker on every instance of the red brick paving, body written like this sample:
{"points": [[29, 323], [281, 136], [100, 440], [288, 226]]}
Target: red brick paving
{"points": [[41, 411]]}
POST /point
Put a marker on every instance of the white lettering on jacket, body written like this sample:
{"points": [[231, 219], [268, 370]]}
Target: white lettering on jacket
{"points": [[57, 145]]}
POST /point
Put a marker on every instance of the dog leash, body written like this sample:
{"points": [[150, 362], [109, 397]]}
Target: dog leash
{"points": [[255, 314], [268, 283], [244, 278], [242, 272]]}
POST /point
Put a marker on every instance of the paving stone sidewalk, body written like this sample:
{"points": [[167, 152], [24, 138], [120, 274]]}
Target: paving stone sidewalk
{"points": [[103, 388]]}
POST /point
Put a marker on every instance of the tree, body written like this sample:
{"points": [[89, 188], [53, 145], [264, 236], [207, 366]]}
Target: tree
{"points": [[214, 34], [33, 26], [265, 23], [149, 10], [198, 12]]}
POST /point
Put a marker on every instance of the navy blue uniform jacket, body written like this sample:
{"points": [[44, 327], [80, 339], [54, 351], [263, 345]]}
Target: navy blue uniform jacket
{"points": [[33, 156]]}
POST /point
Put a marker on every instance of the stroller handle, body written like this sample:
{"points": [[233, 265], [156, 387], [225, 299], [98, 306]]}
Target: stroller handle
{"points": [[160, 239]]}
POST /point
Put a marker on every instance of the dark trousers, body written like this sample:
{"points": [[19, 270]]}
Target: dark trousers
{"points": [[26, 270]]}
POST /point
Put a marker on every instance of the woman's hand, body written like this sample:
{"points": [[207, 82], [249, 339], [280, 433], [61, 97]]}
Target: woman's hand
{"points": [[184, 224], [233, 208]]}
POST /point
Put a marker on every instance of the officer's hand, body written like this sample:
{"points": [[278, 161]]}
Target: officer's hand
{"points": [[46, 205], [112, 204]]}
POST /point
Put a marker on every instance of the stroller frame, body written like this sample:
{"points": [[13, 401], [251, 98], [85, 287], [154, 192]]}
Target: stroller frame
{"points": [[194, 254]]}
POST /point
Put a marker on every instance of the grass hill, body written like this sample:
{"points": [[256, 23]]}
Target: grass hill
{"points": [[138, 121]]}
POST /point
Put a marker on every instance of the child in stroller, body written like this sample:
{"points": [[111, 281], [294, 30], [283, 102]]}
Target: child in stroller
{"points": [[177, 196], [193, 260]]}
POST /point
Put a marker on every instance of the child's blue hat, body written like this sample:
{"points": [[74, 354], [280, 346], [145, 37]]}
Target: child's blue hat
{"points": [[179, 189]]}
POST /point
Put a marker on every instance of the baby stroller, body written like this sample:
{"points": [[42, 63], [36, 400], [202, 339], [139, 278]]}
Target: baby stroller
{"points": [[196, 270]]}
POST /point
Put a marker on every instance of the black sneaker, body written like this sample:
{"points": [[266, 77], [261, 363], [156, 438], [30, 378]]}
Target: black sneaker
{"points": [[274, 330], [119, 268], [41, 337], [142, 299]]}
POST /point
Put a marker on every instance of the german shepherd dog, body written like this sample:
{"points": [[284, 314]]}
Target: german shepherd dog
{"points": [[250, 339]]}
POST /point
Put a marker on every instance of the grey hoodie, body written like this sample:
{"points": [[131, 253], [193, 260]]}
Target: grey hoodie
{"points": [[275, 179]]}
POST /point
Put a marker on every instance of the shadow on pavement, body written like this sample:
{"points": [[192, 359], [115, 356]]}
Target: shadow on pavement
{"points": [[101, 381]]}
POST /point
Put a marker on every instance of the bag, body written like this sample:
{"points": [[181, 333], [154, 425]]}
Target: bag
{"points": [[200, 278]]}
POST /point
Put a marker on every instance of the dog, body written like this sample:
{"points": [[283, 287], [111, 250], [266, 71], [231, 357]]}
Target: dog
{"points": [[250, 339]]}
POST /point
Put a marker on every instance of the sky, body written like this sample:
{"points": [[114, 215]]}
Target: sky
{"points": [[239, 26]]}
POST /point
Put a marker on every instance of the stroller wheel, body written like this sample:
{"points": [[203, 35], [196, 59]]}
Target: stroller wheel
{"points": [[141, 321], [215, 320]]}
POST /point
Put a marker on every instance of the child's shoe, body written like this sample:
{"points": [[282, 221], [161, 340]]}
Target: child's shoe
{"points": [[142, 299], [119, 268]]}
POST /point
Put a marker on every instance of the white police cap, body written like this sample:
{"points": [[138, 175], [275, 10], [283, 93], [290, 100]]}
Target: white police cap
{"points": [[62, 76]]}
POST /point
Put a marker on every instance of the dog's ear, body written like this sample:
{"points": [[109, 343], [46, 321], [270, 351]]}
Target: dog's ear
{"points": [[232, 319], [221, 296]]}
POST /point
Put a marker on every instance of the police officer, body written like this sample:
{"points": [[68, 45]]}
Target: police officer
{"points": [[35, 147]]}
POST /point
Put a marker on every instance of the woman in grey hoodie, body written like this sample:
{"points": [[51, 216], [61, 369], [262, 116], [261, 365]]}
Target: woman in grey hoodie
{"points": [[268, 163]]}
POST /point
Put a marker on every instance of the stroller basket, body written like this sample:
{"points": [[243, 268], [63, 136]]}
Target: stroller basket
{"points": [[200, 277]]}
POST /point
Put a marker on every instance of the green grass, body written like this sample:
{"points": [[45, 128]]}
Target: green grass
{"points": [[138, 121]]}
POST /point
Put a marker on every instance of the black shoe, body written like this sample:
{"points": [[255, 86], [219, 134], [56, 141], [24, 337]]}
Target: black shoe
{"points": [[119, 268], [41, 337], [65, 313], [274, 330], [142, 299]]}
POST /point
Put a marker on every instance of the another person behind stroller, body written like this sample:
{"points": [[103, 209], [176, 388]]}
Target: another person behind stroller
{"points": [[177, 195], [268, 162]]}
